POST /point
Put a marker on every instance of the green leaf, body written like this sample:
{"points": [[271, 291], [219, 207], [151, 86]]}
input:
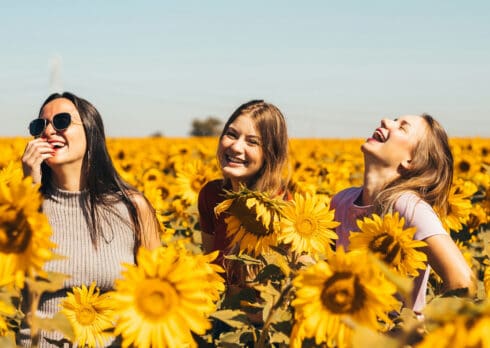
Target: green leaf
{"points": [[364, 337], [280, 260], [235, 301], [236, 339], [6, 297], [442, 308], [270, 272], [233, 318], [246, 259], [485, 236], [404, 285], [6, 342], [52, 283], [279, 337], [281, 317], [59, 322], [270, 296]]}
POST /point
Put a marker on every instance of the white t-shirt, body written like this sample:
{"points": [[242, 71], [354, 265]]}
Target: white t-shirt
{"points": [[417, 213]]}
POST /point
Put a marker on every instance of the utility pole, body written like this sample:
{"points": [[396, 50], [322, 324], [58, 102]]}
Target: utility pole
{"points": [[55, 80]]}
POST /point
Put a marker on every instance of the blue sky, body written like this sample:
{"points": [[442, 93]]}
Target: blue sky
{"points": [[334, 68]]}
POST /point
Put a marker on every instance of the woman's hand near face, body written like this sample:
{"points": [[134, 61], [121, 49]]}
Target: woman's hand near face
{"points": [[35, 153]]}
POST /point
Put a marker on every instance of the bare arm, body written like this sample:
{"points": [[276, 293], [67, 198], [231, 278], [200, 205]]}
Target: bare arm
{"points": [[447, 261], [442, 253], [150, 229]]}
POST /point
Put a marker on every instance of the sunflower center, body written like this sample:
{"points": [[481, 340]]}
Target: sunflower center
{"points": [[15, 232], [473, 222], [387, 246], [164, 192], [464, 166], [342, 293], [155, 298], [306, 226], [86, 315]]}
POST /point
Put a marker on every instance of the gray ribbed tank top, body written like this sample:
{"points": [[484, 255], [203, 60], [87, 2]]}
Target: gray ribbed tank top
{"points": [[84, 264]]}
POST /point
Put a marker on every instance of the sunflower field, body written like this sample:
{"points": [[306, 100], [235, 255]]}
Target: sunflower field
{"points": [[303, 295]]}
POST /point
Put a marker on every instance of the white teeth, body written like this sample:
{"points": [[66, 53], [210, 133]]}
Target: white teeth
{"points": [[379, 136], [58, 145], [235, 160]]}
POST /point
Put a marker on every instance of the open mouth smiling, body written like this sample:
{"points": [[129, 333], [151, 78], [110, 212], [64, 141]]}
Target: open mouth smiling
{"points": [[235, 160], [379, 136]]}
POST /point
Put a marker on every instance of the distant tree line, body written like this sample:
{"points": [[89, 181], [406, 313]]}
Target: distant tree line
{"points": [[211, 126]]}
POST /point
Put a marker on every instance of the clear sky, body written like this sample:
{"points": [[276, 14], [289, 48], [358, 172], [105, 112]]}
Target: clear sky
{"points": [[333, 67]]}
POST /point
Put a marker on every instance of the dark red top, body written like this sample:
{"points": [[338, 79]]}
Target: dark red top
{"points": [[210, 196]]}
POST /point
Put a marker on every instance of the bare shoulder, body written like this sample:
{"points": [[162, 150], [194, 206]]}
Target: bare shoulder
{"points": [[140, 201], [150, 230]]}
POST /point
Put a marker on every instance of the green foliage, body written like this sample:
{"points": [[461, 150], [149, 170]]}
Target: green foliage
{"points": [[257, 314], [37, 286], [208, 127]]}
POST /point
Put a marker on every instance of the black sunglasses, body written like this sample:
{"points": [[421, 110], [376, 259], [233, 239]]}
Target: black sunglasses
{"points": [[60, 122]]}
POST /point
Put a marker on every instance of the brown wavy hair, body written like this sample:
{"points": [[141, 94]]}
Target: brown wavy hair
{"points": [[271, 125], [429, 175]]}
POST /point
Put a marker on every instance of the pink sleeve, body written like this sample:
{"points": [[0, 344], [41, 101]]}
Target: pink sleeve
{"points": [[419, 214]]}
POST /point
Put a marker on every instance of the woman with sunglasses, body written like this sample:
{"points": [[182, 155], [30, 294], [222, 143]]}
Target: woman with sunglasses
{"points": [[98, 220], [408, 168]]}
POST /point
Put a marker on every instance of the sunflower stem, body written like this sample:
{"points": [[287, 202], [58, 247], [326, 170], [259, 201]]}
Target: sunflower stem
{"points": [[34, 303], [263, 335]]}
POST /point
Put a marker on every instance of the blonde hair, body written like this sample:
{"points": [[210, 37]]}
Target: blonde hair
{"points": [[430, 174], [271, 125]]}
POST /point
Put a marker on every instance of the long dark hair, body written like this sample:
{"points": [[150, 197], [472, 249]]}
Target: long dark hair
{"points": [[103, 184]]}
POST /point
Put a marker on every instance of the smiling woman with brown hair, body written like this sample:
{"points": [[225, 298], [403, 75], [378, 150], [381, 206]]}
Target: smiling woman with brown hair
{"points": [[252, 151]]}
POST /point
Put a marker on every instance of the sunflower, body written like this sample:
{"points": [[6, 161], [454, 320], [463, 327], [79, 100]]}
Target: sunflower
{"points": [[459, 205], [253, 223], [450, 334], [308, 225], [166, 296], [387, 239], [161, 206], [10, 172], [486, 277], [153, 177], [467, 165], [348, 286], [10, 278], [90, 314], [457, 323], [486, 201], [24, 231], [477, 218], [478, 330], [6, 310], [190, 179]]}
